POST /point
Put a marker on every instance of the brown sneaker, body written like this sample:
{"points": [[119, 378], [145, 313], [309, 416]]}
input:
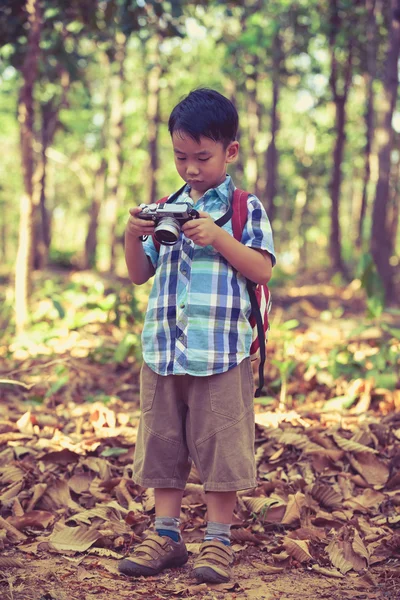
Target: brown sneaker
{"points": [[214, 563], [153, 555]]}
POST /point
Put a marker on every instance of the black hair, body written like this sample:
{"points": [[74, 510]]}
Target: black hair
{"points": [[205, 112]]}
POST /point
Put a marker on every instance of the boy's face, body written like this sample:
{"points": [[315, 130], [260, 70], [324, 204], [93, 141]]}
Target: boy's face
{"points": [[202, 164]]}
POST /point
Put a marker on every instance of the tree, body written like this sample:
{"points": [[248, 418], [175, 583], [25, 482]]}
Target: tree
{"points": [[369, 78], [24, 263], [381, 245], [340, 82]]}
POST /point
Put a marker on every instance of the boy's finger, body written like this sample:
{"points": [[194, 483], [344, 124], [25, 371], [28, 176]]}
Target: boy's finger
{"points": [[202, 214], [190, 225], [135, 210]]}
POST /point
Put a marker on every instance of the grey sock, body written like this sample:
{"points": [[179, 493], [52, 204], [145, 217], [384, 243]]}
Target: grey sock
{"points": [[219, 531], [168, 524]]}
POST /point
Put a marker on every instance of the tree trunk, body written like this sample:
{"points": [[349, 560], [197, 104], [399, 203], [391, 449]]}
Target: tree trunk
{"points": [[271, 155], [115, 142], [253, 128], [340, 100], [381, 246], [90, 258], [394, 212], [99, 186], [232, 94], [49, 121], [40, 215], [369, 79], [153, 115], [24, 261]]}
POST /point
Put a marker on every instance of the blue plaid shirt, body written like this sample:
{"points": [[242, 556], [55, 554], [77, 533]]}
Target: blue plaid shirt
{"points": [[197, 316]]}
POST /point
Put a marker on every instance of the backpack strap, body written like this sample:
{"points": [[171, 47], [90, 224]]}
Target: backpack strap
{"points": [[239, 218]]}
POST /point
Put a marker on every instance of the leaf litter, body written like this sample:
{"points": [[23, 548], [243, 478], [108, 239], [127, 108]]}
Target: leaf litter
{"points": [[331, 514], [324, 521]]}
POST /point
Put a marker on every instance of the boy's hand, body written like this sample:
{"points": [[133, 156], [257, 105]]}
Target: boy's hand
{"points": [[202, 231], [137, 227]]}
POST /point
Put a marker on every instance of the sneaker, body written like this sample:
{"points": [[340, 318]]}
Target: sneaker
{"points": [[214, 563], [153, 555]]}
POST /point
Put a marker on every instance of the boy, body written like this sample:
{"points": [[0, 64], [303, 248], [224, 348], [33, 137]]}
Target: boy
{"points": [[196, 380]]}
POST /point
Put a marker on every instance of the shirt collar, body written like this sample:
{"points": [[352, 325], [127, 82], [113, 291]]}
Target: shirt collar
{"points": [[224, 191]]}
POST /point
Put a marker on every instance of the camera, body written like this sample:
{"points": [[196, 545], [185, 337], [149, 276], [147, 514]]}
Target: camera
{"points": [[168, 219]]}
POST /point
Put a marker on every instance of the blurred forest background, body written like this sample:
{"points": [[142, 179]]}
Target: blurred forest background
{"points": [[86, 91]]}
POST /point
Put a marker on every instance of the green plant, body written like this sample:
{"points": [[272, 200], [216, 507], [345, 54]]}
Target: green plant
{"points": [[286, 364], [373, 286]]}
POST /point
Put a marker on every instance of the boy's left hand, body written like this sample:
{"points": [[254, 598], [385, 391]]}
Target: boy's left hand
{"points": [[201, 231]]}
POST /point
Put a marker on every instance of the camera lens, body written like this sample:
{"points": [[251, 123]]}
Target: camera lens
{"points": [[167, 231]]}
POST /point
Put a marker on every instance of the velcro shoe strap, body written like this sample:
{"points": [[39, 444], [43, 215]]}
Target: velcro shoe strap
{"points": [[153, 546], [216, 552]]}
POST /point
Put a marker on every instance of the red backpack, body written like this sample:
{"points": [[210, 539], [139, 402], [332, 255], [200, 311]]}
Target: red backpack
{"points": [[260, 297]]}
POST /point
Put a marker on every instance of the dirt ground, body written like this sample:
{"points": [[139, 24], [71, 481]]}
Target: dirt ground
{"points": [[89, 577]]}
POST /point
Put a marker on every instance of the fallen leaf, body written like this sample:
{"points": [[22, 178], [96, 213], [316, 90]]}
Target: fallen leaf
{"points": [[76, 539], [327, 572], [298, 549]]}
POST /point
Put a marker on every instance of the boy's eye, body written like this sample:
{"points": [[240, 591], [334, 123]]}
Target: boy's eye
{"points": [[204, 159], [180, 158]]}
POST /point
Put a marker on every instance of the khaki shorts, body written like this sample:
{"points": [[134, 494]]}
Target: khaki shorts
{"points": [[209, 420]]}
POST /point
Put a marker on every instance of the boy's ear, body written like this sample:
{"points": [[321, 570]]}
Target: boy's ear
{"points": [[232, 152]]}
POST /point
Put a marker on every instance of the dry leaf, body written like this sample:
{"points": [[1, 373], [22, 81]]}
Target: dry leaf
{"points": [[327, 572], [298, 549], [359, 547], [335, 552], [193, 548], [268, 569], [10, 563], [346, 554], [293, 509], [105, 552], [34, 518], [76, 539], [244, 535], [326, 495], [58, 496], [350, 446], [372, 469]]}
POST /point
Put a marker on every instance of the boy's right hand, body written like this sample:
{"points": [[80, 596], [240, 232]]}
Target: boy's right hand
{"points": [[137, 227]]}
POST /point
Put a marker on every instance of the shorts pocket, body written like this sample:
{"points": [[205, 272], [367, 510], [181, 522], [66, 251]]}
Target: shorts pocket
{"points": [[148, 386], [232, 392]]}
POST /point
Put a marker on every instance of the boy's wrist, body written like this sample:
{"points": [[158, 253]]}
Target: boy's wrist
{"points": [[133, 236]]}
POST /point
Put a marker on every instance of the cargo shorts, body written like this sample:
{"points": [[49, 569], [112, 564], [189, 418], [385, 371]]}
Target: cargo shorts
{"points": [[208, 420]]}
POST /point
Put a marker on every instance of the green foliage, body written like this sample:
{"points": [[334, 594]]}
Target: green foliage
{"points": [[285, 361], [373, 286], [114, 452], [381, 365], [62, 380]]}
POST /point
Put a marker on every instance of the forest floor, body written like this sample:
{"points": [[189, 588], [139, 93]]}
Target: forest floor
{"points": [[323, 522]]}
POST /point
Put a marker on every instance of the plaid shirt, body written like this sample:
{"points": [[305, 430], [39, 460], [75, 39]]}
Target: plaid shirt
{"points": [[197, 317]]}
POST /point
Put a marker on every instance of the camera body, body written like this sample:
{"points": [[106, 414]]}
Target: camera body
{"points": [[168, 219]]}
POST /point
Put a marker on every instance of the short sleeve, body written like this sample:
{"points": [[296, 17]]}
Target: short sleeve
{"points": [[150, 251], [257, 232]]}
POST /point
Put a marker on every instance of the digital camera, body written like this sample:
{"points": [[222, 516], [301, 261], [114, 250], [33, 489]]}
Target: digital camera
{"points": [[168, 219]]}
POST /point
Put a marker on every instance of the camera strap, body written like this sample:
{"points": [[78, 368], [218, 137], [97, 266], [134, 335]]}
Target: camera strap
{"points": [[220, 222]]}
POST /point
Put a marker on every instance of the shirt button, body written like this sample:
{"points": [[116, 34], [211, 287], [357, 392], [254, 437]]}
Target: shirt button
{"points": [[182, 305], [183, 271]]}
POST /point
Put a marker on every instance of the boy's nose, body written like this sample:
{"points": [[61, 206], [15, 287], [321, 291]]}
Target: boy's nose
{"points": [[192, 170]]}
